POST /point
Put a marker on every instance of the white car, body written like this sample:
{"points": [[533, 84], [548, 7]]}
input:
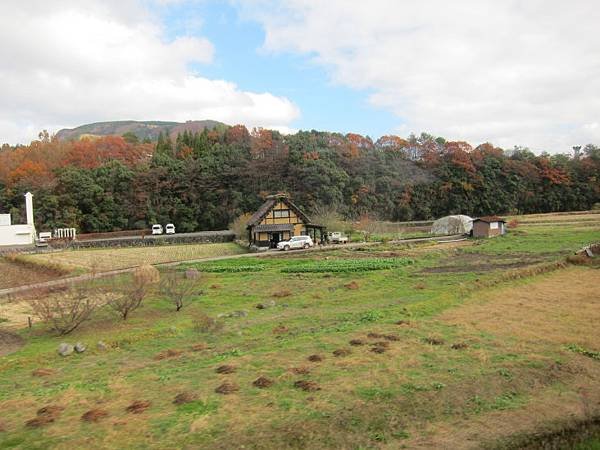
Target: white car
{"points": [[296, 242], [170, 228], [157, 229]]}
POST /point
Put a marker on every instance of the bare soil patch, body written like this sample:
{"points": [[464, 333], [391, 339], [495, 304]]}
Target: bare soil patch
{"points": [[14, 274], [226, 369], [138, 406], [307, 385], [357, 342], [227, 388], [391, 337], [375, 336], [478, 263], [315, 358], [94, 415], [341, 352], [459, 346], [281, 293], [378, 349], [263, 382], [433, 341], [10, 342]]}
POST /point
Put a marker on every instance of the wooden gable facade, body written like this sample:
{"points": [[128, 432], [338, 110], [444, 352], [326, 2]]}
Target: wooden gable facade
{"points": [[278, 219]]}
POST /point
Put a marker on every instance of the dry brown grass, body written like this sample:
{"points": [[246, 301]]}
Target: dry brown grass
{"points": [[121, 258], [561, 308]]}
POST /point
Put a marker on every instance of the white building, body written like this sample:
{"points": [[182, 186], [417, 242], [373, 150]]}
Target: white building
{"points": [[18, 234]]}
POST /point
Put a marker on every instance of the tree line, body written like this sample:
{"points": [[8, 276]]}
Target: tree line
{"points": [[204, 180]]}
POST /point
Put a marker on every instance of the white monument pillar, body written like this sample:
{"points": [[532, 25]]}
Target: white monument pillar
{"points": [[29, 208]]}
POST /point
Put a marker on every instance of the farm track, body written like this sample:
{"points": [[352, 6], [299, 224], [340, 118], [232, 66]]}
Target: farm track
{"points": [[8, 292]]}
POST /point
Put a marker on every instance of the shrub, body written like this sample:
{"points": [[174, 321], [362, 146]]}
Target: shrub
{"points": [[202, 323], [65, 309], [130, 297], [177, 286]]}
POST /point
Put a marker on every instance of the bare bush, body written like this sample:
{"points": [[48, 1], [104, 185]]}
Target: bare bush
{"points": [[203, 323], [238, 226], [126, 299], [178, 286], [331, 218], [66, 309]]}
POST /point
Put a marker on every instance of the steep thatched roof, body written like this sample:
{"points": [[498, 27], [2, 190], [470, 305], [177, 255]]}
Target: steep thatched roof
{"points": [[268, 205]]}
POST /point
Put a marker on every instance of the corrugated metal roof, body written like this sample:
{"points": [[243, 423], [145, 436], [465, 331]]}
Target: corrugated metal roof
{"points": [[490, 219]]}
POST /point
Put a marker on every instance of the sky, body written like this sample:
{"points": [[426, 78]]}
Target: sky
{"points": [[503, 71]]}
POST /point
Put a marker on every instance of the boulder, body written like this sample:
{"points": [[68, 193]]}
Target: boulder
{"points": [[65, 349], [80, 347]]}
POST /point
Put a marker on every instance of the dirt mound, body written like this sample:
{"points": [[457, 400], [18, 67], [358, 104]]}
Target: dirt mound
{"points": [[10, 342], [43, 372], [302, 370], [403, 322], [94, 415], [138, 406], [199, 347], [45, 415], [357, 342], [375, 336], [282, 293], [433, 341], [459, 346], [353, 285], [378, 349], [215, 286], [170, 353], [391, 337], [262, 382], [226, 369], [307, 385], [184, 397], [280, 329], [227, 388], [341, 352], [315, 358]]}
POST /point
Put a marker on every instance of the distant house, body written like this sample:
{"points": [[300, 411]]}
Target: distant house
{"points": [[489, 226], [22, 234], [278, 219]]}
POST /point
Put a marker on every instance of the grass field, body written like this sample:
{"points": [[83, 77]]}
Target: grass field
{"points": [[120, 258], [434, 346]]}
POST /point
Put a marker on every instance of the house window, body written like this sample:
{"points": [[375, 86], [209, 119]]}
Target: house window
{"points": [[279, 213], [494, 226]]}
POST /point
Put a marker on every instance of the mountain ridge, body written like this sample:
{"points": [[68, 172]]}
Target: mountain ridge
{"points": [[144, 129]]}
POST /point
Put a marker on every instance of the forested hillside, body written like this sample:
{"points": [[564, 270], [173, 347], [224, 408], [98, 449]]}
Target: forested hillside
{"points": [[204, 180]]}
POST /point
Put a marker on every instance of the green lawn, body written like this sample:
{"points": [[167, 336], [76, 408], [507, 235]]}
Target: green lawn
{"points": [[418, 384]]}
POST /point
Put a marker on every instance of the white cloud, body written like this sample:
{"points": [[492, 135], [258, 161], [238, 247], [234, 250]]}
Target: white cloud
{"points": [[511, 72], [65, 63]]}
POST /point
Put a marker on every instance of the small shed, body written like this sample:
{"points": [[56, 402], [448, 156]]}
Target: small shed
{"points": [[279, 219], [489, 226], [21, 234]]}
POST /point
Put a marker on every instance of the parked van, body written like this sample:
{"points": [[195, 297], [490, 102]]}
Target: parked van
{"points": [[157, 229], [170, 228]]}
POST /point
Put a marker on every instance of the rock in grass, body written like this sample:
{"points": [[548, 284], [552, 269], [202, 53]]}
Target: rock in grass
{"points": [[80, 347], [65, 349], [101, 346]]}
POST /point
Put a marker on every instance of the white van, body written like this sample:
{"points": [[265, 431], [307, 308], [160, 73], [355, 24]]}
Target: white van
{"points": [[157, 229], [170, 228]]}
